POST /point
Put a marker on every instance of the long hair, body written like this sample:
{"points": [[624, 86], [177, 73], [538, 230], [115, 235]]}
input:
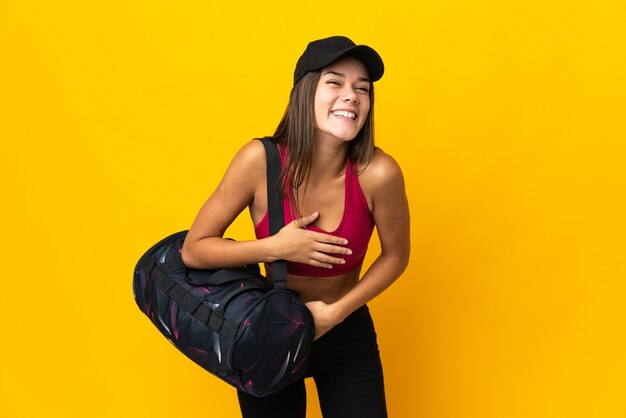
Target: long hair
{"points": [[296, 131]]}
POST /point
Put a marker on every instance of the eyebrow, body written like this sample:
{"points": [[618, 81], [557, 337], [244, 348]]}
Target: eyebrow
{"points": [[344, 76]]}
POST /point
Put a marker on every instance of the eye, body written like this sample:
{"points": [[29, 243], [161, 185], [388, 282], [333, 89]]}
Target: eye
{"points": [[363, 89], [332, 81]]}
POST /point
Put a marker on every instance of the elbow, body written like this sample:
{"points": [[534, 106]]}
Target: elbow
{"points": [[402, 261], [406, 258], [396, 262], [201, 254], [186, 255], [189, 255]]}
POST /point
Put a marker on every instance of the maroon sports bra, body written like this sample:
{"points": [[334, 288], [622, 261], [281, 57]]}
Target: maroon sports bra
{"points": [[356, 226]]}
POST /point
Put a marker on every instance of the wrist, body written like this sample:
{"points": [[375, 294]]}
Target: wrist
{"points": [[269, 249], [339, 311]]}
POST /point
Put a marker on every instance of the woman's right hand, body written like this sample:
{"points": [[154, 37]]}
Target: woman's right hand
{"points": [[296, 244]]}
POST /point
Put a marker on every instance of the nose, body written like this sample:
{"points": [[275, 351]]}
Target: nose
{"points": [[350, 96]]}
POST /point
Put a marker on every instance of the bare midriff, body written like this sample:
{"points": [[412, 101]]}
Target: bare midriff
{"points": [[325, 289]]}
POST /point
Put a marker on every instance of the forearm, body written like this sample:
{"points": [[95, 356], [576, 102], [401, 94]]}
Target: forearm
{"points": [[217, 252], [382, 273]]}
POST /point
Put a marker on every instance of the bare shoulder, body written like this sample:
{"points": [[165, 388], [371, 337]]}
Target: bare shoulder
{"points": [[246, 178], [382, 173], [246, 168], [238, 188], [250, 158], [245, 173], [383, 186]]}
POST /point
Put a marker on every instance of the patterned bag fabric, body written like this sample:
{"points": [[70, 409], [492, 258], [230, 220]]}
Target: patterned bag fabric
{"points": [[252, 334]]}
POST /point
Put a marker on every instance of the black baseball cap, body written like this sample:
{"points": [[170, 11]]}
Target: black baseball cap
{"points": [[318, 54]]}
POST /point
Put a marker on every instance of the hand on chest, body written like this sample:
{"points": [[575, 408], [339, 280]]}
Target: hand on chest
{"points": [[328, 199]]}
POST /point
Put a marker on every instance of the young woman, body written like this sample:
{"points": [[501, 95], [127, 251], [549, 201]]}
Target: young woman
{"points": [[337, 186]]}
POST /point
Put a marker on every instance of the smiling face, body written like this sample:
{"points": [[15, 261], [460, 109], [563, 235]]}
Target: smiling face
{"points": [[342, 99]]}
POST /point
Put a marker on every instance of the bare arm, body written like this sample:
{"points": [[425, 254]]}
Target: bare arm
{"points": [[204, 246], [391, 215], [243, 185]]}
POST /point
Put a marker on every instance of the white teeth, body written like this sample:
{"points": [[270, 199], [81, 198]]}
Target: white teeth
{"points": [[345, 114]]}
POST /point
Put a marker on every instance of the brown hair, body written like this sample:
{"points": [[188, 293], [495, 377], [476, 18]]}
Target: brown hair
{"points": [[296, 131]]}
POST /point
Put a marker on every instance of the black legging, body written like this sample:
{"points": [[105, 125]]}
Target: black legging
{"points": [[345, 364]]}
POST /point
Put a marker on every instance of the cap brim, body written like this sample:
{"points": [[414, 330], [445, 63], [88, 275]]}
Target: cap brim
{"points": [[368, 56]]}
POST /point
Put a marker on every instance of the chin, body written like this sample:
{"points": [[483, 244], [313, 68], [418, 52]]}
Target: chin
{"points": [[345, 136]]}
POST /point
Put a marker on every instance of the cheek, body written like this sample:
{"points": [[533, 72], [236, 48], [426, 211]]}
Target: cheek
{"points": [[321, 106], [322, 98], [366, 104], [365, 109], [318, 113]]}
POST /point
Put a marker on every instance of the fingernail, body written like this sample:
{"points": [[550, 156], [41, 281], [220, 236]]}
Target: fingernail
{"points": [[349, 252], [345, 242]]}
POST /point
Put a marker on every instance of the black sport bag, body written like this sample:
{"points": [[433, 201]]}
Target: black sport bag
{"points": [[232, 322]]}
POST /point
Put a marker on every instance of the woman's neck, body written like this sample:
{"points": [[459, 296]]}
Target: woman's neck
{"points": [[329, 159]]}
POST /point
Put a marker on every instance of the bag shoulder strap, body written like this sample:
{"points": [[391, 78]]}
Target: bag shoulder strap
{"points": [[275, 211]]}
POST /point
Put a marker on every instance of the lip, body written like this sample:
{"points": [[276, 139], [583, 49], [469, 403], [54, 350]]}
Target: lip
{"points": [[346, 110]]}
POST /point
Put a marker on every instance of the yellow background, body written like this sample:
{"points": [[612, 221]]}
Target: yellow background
{"points": [[117, 119]]}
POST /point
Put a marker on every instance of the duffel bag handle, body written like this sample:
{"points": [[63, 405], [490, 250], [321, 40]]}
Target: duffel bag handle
{"points": [[219, 277], [275, 208]]}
